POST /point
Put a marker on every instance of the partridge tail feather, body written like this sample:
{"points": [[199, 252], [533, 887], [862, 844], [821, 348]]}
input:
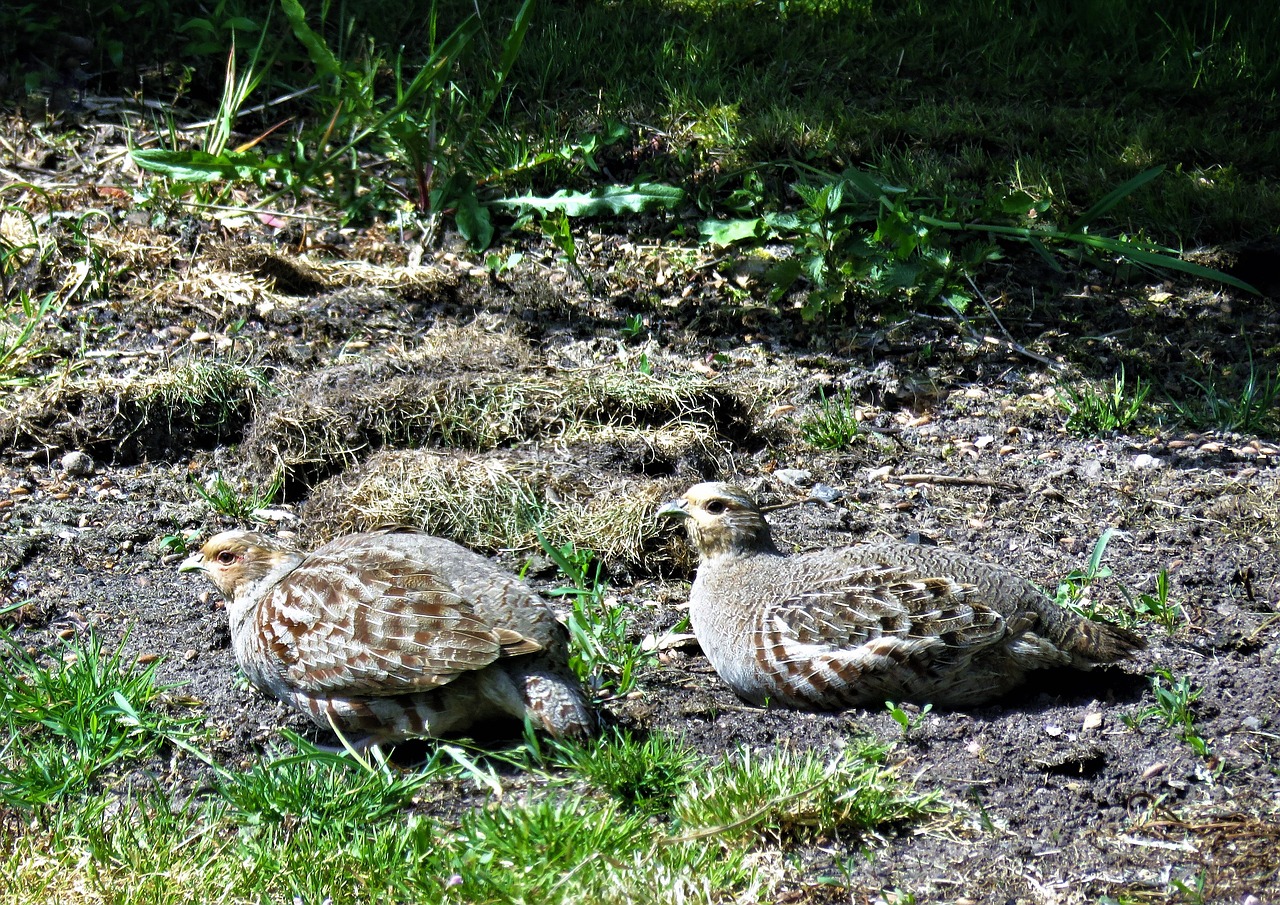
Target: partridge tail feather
{"points": [[1091, 642]]}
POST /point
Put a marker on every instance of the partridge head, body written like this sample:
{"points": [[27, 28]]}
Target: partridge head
{"points": [[392, 634], [860, 625]]}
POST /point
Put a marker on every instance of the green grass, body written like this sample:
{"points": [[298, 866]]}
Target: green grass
{"points": [[834, 425], [645, 774], [315, 826], [1094, 412], [238, 501], [1247, 401], [788, 796], [20, 324], [76, 723]]}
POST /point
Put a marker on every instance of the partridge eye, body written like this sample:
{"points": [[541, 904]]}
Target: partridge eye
{"points": [[226, 557], [715, 507]]}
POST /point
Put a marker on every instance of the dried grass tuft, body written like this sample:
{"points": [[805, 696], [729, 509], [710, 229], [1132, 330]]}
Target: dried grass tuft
{"points": [[333, 418], [497, 502], [171, 407]]}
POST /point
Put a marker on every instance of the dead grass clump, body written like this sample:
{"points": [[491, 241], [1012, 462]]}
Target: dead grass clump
{"points": [[300, 275], [1250, 512], [497, 502], [194, 404], [468, 348], [684, 447], [331, 418]]}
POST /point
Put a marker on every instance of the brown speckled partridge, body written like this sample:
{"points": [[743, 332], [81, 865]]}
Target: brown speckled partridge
{"points": [[869, 623], [393, 634]]}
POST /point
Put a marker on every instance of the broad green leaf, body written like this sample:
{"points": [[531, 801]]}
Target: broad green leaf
{"points": [[726, 232], [610, 199], [473, 220], [783, 275], [200, 166], [319, 52], [1019, 203]]}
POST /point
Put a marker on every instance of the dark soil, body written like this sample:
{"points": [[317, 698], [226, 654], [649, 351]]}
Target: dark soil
{"points": [[1062, 793]]}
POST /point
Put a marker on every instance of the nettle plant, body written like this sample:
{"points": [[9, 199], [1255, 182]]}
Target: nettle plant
{"points": [[856, 236]]}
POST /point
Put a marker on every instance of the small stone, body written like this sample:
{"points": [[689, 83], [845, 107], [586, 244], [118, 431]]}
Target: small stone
{"points": [[201, 336], [1251, 723], [1092, 721], [1053, 731], [826, 493], [77, 463], [793, 476], [1143, 460], [189, 654]]}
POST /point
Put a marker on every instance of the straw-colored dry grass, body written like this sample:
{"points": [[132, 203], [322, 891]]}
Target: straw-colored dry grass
{"points": [[164, 407], [498, 501], [337, 416]]}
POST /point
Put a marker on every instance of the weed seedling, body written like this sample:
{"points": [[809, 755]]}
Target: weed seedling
{"points": [[238, 502], [633, 327], [905, 719], [1093, 412], [179, 542], [1175, 699], [597, 624], [1158, 608], [834, 425], [1072, 587]]}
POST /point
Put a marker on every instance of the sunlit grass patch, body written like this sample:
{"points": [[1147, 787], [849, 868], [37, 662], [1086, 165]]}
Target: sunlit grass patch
{"points": [[199, 398], [89, 716], [645, 772], [787, 795]]}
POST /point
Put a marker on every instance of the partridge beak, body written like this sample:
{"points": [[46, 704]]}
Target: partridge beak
{"points": [[193, 563], [674, 509]]}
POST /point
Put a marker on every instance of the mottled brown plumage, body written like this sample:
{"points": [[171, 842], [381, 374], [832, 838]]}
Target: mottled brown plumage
{"points": [[393, 634], [873, 622]]}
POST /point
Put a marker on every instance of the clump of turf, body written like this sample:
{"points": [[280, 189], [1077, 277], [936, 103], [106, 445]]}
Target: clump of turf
{"points": [[499, 501]]}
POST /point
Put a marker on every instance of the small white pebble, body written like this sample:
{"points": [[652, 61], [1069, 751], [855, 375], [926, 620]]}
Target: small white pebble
{"points": [[1143, 460]]}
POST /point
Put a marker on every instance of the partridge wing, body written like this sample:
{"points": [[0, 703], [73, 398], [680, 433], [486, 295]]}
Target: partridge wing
{"points": [[372, 621], [856, 625]]}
